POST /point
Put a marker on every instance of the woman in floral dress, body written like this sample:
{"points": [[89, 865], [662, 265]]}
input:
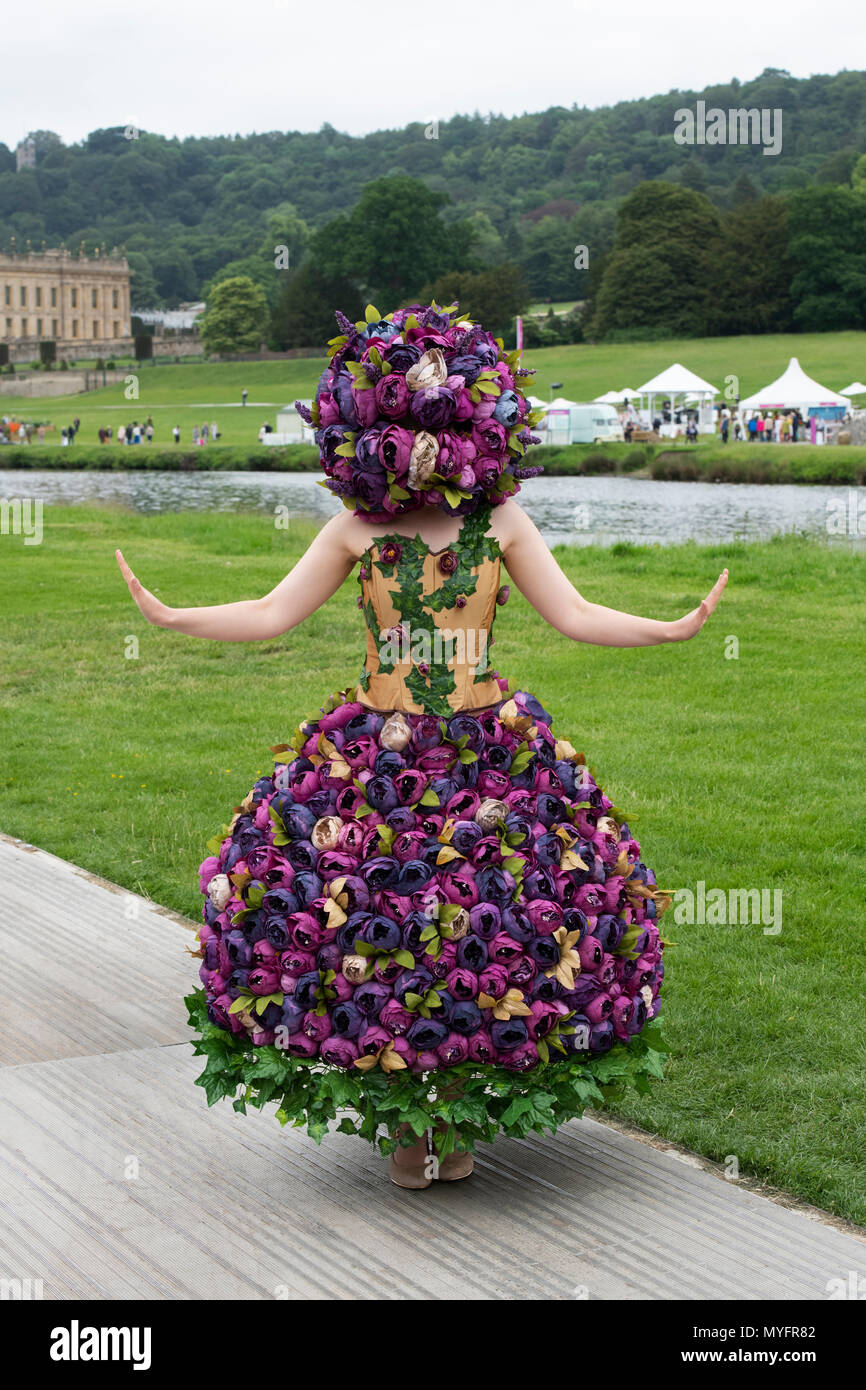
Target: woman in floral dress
{"points": [[429, 924]]}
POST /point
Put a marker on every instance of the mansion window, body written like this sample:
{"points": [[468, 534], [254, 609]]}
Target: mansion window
{"points": [[74, 294], [54, 328], [114, 299], [74, 325], [8, 296], [96, 328], [39, 328], [94, 300], [23, 299], [53, 296], [116, 329], [38, 297], [9, 328], [23, 328]]}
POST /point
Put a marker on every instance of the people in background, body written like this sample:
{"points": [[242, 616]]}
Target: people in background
{"points": [[176, 433], [149, 430], [725, 427], [244, 395], [214, 432]]}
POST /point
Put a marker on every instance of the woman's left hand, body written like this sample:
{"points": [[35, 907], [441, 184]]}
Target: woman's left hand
{"points": [[689, 626]]}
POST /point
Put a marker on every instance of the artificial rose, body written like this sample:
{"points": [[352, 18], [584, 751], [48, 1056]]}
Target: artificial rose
{"points": [[391, 395], [429, 371], [423, 460]]}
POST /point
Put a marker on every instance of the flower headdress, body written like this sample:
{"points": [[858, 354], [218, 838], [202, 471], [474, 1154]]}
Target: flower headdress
{"points": [[421, 408]]}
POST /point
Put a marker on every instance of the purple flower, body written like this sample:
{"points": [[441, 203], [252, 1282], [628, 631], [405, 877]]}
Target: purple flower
{"points": [[390, 553], [339, 1052], [392, 395], [426, 1034], [434, 407], [508, 1033]]}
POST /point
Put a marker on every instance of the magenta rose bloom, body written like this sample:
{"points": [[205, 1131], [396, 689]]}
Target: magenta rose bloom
{"points": [[366, 406], [489, 436], [339, 1052], [454, 1050], [392, 396], [486, 470], [329, 411], [395, 448]]}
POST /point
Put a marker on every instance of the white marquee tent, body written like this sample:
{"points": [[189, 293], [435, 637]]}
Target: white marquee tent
{"points": [[855, 389], [615, 397], [677, 381], [794, 390]]}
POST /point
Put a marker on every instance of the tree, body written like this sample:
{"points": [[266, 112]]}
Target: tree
{"points": [[752, 274], [659, 277], [142, 282], [828, 234], [304, 316], [236, 317], [394, 240]]}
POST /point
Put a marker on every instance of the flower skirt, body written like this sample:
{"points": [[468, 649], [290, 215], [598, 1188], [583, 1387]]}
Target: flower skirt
{"points": [[421, 922]]}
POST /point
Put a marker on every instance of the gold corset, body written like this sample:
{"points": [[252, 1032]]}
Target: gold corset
{"points": [[429, 616]]}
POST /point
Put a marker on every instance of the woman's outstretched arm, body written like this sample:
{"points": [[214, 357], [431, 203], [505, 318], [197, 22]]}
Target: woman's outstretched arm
{"points": [[539, 578], [317, 575]]}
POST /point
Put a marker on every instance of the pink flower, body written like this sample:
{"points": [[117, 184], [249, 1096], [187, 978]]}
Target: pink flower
{"points": [[329, 411]]}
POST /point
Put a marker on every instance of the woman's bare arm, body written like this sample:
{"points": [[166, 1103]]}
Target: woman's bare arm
{"points": [[317, 575], [539, 578]]}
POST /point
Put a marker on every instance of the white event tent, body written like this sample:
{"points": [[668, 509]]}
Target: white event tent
{"points": [[615, 397], [855, 389], [794, 390], [678, 381]]}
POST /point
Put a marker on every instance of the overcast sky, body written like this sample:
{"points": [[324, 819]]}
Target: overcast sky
{"points": [[206, 67]]}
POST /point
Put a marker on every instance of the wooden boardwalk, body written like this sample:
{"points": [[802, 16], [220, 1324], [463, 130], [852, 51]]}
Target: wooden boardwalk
{"points": [[116, 1181]]}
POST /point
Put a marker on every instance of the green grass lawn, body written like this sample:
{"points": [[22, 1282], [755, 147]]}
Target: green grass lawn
{"points": [[189, 395], [746, 773]]}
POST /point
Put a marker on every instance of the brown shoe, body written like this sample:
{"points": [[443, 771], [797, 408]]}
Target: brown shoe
{"points": [[411, 1166]]}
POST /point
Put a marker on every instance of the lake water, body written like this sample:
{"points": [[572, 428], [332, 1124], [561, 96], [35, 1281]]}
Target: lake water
{"points": [[575, 511]]}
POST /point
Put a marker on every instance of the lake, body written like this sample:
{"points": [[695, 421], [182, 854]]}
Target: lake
{"points": [[570, 511]]}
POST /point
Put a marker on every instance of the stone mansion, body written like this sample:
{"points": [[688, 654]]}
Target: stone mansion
{"points": [[79, 300]]}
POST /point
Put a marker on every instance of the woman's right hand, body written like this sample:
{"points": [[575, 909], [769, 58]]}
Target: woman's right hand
{"points": [[151, 607]]}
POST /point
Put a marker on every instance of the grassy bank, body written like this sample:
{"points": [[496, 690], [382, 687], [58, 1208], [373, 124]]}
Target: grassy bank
{"points": [[707, 462], [190, 394], [127, 764]]}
